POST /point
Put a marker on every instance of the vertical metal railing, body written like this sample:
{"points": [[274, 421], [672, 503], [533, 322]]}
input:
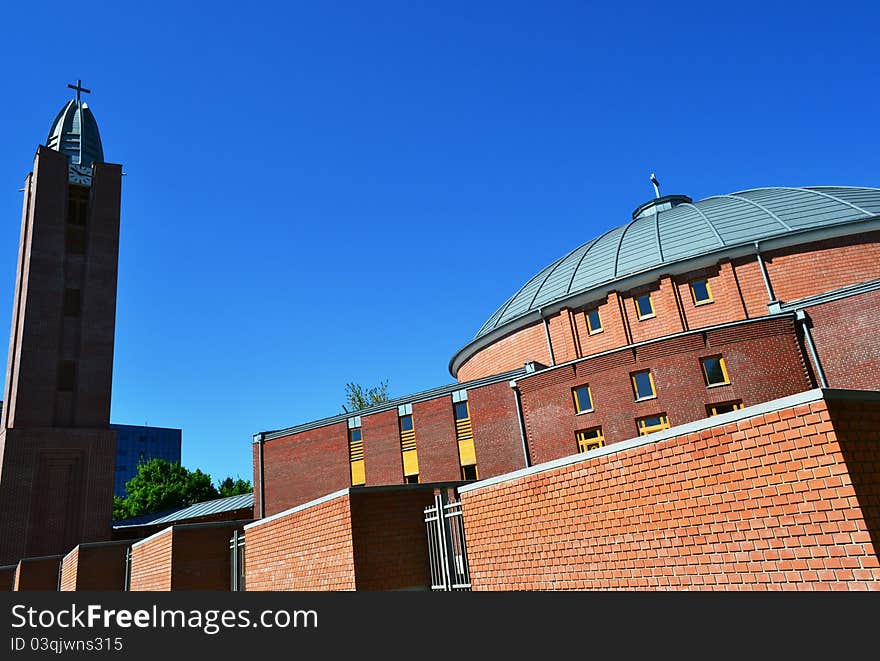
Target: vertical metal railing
{"points": [[127, 587], [447, 551], [237, 554]]}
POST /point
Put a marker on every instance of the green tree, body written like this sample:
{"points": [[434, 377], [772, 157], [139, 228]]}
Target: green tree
{"points": [[162, 485], [358, 397], [237, 487]]}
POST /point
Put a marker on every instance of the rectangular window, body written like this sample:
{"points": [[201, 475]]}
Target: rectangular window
{"points": [[652, 423], [78, 205], [583, 399], [356, 457], [700, 292], [643, 385], [66, 375], [594, 321], [714, 371], [463, 428], [590, 439], [464, 434], [644, 306], [408, 448], [411, 479], [724, 407], [71, 302], [469, 472]]}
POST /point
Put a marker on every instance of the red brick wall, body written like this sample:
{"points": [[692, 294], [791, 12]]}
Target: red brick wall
{"points": [[822, 266], [497, 441], [383, 463], [508, 353], [738, 290], [390, 543], [775, 501], [72, 502], [562, 333], [855, 362], [151, 563], [301, 468], [751, 286], [367, 538], [95, 567], [763, 360], [289, 462], [437, 447], [614, 330], [201, 556], [184, 557], [255, 448], [667, 320], [310, 549], [35, 574], [69, 567], [727, 304], [857, 428]]}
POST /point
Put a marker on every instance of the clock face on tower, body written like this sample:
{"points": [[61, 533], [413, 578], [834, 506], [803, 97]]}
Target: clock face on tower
{"points": [[80, 174]]}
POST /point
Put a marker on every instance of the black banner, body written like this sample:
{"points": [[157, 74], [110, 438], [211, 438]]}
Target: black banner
{"points": [[245, 625]]}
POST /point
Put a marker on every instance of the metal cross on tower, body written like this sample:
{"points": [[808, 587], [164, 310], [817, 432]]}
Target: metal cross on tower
{"points": [[79, 88]]}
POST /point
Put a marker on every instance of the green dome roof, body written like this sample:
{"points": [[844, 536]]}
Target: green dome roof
{"points": [[673, 232], [75, 134]]}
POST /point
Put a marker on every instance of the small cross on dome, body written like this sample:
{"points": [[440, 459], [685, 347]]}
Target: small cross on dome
{"points": [[79, 88]]}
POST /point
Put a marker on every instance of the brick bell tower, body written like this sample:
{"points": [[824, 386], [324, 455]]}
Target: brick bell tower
{"points": [[57, 451]]}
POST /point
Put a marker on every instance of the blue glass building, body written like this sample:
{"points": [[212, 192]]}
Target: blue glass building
{"points": [[135, 444]]}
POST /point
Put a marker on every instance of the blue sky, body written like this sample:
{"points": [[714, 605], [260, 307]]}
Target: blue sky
{"points": [[324, 192]]}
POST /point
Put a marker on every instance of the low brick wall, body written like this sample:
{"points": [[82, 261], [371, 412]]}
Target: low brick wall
{"points": [[362, 538], [191, 556], [306, 548], [37, 574], [95, 566], [784, 496]]}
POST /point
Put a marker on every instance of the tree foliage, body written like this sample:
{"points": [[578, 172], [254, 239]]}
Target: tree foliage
{"points": [[358, 397], [237, 487], [163, 485]]}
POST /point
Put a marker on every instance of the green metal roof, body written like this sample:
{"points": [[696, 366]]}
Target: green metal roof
{"points": [[674, 235]]}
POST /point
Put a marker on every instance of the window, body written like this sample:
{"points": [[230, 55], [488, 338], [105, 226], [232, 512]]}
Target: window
{"points": [[652, 423], [71, 302], [700, 292], [714, 371], [66, 375], [724, 407], [464, 435], [583, 399], [644, 306], [594, 321], [78, 205], [590, 439], [643, 385], [408, 447], [356, 456]]}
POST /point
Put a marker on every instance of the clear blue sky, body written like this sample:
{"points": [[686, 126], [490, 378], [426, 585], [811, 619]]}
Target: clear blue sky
{"points": [[323, 192]]}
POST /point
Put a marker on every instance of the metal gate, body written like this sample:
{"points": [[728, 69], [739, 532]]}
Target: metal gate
{"points": [[447, 553], [236, 551]]}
